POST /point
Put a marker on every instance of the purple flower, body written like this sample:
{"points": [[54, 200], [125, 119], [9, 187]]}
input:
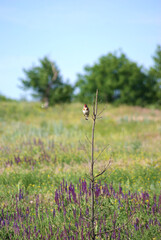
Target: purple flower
{"points": [[120, 189], [20, 195], [56, 197], [136, 225], [84, 186]]}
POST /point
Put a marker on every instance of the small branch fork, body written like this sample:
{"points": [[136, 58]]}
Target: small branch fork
{"points": [[103, 171], [102, 151]]}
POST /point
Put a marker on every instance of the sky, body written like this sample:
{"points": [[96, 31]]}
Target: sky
{"points": [[73, 33]]}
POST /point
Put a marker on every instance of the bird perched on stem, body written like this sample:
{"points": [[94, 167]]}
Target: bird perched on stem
{"points": [[86, 111]]}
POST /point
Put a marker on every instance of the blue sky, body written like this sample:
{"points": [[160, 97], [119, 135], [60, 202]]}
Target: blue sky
{"points": [[73, 33]]}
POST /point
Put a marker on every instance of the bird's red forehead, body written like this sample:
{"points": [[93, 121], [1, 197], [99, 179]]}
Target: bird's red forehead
{"points": [[85, 105]]}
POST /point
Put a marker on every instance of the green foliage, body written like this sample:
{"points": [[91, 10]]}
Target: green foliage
{"points": [[155, 71], [46, 82], [119, 80], [5, 99]]}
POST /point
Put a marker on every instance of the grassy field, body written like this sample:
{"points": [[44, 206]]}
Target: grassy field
{"points": [[44, 159]]}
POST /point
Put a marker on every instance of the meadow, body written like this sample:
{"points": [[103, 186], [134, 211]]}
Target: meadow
{"points": [[44, 162]]}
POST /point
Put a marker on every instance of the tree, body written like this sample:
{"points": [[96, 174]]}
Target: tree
{"points": [[118, 79], [46, 82], [3, 98], [155, 72]]}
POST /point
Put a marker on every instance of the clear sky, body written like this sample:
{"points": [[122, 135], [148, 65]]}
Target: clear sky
{"points": [[73, 33]]}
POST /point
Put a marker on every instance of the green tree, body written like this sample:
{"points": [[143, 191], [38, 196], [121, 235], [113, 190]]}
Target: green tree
{"points": [[46, 82], [155, 72], [5, 99], [118, 80]]}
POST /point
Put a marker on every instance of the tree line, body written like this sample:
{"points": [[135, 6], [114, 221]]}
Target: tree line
{"points": [[118, 79], [122, 81]]}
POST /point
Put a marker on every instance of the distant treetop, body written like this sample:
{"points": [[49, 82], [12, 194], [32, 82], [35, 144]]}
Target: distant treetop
{"points": [[119, 80], [46, 82]]}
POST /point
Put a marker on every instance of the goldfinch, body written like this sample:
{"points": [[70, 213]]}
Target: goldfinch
{"points": [[86, 111]]}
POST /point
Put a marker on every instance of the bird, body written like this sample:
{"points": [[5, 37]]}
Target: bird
{"points": [[86, 111]]}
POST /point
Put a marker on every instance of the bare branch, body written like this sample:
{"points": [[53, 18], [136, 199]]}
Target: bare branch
{"points": [[102, 111], [102, 151], [103, 171], [100, 173], [105, 177], [88, 139]]}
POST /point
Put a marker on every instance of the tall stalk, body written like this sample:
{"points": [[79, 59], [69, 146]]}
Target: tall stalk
{"points": [[94, 117], [93, 177]]}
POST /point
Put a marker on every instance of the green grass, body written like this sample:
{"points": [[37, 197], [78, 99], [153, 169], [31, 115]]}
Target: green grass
{"points": [[39, 148], [53, 139]]}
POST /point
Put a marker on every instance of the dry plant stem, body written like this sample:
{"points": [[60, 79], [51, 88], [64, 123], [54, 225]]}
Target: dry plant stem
{"points": [[88, 140], [101, 112], [92, 177], [92, 167], [92, 182], [102, 151], [104, 170]]}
